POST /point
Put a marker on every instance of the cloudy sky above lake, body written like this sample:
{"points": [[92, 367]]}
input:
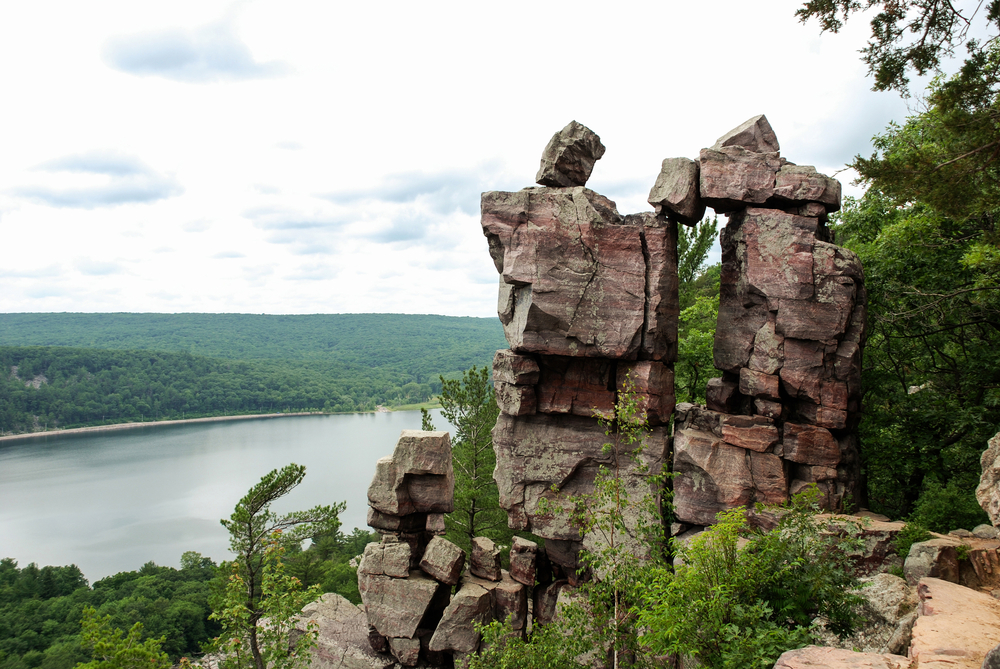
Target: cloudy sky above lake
{"points": [[327, 157]]}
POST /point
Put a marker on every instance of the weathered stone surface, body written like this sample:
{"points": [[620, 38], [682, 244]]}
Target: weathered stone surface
{"points": [[779, 252], [810, 445], [675, 193], [516, 400], [890, 596], [758, 438], [569, 157], [992, 659], [535, 453], [956, 628], [732, 177], [579, 386], [754, 134], [523, 561], [985, 532], [768, 408], [385, 522], [417, 478], [722, 395], [768, 349], [937, 558], [513, 368], [659, 335], [817, 657], [407, 651], [653, 384], [443, 560], [381, 559], [711, 476], [485, 559], [758, 384], [812, 320], [545, 599], [435, 524], [988, 491], [395, 606], [511, 602], [579, 275], [471, 604], [802, 183], [342, 641]]}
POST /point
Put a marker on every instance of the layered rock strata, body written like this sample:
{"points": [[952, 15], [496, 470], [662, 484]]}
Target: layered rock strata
{"points": [[789, 339], [406, 580], [588, 300]]}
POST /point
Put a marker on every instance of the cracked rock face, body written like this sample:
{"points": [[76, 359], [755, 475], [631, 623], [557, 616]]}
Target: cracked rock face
{"points": [[569, 157]]}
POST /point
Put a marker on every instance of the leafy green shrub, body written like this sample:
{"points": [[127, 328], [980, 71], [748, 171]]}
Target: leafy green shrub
{"points": [[912, 533], [732, 606], [944, 508]]}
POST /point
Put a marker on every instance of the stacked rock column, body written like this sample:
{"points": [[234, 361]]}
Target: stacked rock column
{"points": [[789, 339], [588, 299], [406, 581]]}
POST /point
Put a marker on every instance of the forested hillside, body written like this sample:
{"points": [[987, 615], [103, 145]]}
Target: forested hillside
{"points": [[68, 370]]}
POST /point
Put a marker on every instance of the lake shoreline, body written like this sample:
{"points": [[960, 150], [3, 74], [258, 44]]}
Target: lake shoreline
{"points": [[114, 427]]}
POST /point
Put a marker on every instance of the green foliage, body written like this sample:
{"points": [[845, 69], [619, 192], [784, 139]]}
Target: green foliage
{"points": [[258, 586], [327, 562], [155, 366], [741, 606], [41, 608], [911, 533], [943, 508], [698, 290], [962, 551], [247, 643], [548, 647], [469, 404], [932, 361], [112, 650]]}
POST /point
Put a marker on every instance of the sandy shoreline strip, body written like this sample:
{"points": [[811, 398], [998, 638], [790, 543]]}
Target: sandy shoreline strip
{"points": [[157, 423]]}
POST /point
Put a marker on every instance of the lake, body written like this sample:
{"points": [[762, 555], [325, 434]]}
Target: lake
{"points": [[111, 502]]}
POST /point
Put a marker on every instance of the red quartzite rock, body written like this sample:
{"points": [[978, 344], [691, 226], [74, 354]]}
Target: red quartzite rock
{"points": [[754, 134], [516, 400], [407, 651], [712, 476], [754, 433], [817, 657], [578, 275], [810, 445], [417, 478], [768, 349], [988, 491], [535, 453], [757, 384], [513, 368], [675, 193], [956, 627], [395, 606], [802, 183], [443, 561], [722, 395], [569, 157], [653, 384], [386, 559], [579, 386], [523, 561], [659, 336], [511, 602], [779, 252], [457, 630], [485, 559], [732, 177]]}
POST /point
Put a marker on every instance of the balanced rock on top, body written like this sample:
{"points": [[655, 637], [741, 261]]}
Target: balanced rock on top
{"points": [[569, 157]]}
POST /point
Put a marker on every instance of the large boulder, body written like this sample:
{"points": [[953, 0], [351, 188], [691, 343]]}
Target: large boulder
{"points": [[395, 606], [675, 193], [956, 627], [417, 477], [817, 657], [472, 604], [443, 561], [732, 177], [574, 276], [754, 134], [569, 157], [342, 641], [988, 492]]}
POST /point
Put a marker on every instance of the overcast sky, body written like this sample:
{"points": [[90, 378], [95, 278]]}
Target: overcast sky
{"points": [[327, 157]]}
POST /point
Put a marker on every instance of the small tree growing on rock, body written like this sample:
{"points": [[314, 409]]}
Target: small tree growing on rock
{"points": [[260, 601]]}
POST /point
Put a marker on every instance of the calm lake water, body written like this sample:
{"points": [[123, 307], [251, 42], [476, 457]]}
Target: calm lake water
{"points": [[112, 502]]}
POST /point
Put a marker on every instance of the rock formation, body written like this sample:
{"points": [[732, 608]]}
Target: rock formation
{"points": [[588, 298]]}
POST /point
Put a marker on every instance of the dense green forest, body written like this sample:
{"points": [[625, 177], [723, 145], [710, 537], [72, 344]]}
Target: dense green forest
{"points": [[70, 370], [41, 608]]}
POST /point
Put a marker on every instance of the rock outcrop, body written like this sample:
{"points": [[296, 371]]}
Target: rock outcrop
{"points": [[988, 491], [814, 657], [588, 300], [956, 627]]}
